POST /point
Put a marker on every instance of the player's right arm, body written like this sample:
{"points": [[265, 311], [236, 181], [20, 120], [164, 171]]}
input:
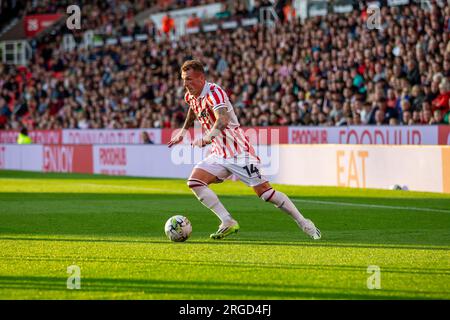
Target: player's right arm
{"points": [[190, 118]]}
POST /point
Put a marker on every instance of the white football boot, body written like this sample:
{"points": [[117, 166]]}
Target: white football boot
{"points": [[311, 230]]}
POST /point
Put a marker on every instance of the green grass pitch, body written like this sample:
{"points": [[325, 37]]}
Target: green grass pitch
{"points": [[112, 228]]}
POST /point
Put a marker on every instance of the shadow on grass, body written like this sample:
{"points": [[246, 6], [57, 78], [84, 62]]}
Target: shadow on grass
{"points": [[228, 241], [210, 289], [242, 266]]}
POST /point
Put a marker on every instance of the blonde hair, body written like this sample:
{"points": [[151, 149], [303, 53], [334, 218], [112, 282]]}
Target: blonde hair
{"points": [[195, 65], [444, 84]]}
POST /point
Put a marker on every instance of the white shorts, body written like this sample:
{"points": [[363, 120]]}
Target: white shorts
{"points": [[247, 169]]}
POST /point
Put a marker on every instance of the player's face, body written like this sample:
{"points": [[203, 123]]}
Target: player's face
{"points": [[193, 81]]}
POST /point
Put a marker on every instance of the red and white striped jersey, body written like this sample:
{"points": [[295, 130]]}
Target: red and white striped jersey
{"points": [[231, 141]]}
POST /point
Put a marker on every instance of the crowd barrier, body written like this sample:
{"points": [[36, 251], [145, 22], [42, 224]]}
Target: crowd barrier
{"points": [[419, 168], [390, 135]]}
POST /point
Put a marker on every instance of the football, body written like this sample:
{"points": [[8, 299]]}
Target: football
{"points": [[178, 228]]}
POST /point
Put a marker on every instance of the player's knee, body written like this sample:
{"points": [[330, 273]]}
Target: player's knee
{"points": [[193, 183], [267, 195]]}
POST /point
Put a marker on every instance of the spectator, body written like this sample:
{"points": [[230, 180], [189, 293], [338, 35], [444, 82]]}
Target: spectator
{"points": [[427, 117], [407, 118], [23, 137], [240, 10], [5, 112], [393, 121], [441, 102], [168, 25], [417, 98], [224, 13], [289, 13], [391, 98], [365, 113], [388, 113], [146, 138], [357, 119], [380, 118], [416, 117], [437, 117], [193, 21], [405, 107], [412, 73]]}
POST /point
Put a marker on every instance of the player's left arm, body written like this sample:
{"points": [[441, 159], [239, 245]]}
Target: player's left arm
{"points": [[222, 120]]}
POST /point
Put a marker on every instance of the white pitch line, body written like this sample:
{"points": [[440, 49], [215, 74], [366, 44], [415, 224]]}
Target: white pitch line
{"points": [[297, 200], [364, 205]]}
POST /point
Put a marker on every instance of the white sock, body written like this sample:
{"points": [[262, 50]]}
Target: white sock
{"points": [[210, 200], [281, 201]]}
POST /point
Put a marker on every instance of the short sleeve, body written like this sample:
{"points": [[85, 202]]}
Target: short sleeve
{"points": [[217, 98]]}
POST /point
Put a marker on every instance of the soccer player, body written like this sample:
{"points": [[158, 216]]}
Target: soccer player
{"points": [[231, 152]]}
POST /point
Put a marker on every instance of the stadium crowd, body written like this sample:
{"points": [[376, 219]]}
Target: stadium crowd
{"points": [[324, 71]]}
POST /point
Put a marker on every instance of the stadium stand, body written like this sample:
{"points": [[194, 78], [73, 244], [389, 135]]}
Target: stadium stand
{"points": [[325, 71]]}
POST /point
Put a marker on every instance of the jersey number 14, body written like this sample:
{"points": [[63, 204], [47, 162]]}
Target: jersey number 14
{"points": [[252, 170]]}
